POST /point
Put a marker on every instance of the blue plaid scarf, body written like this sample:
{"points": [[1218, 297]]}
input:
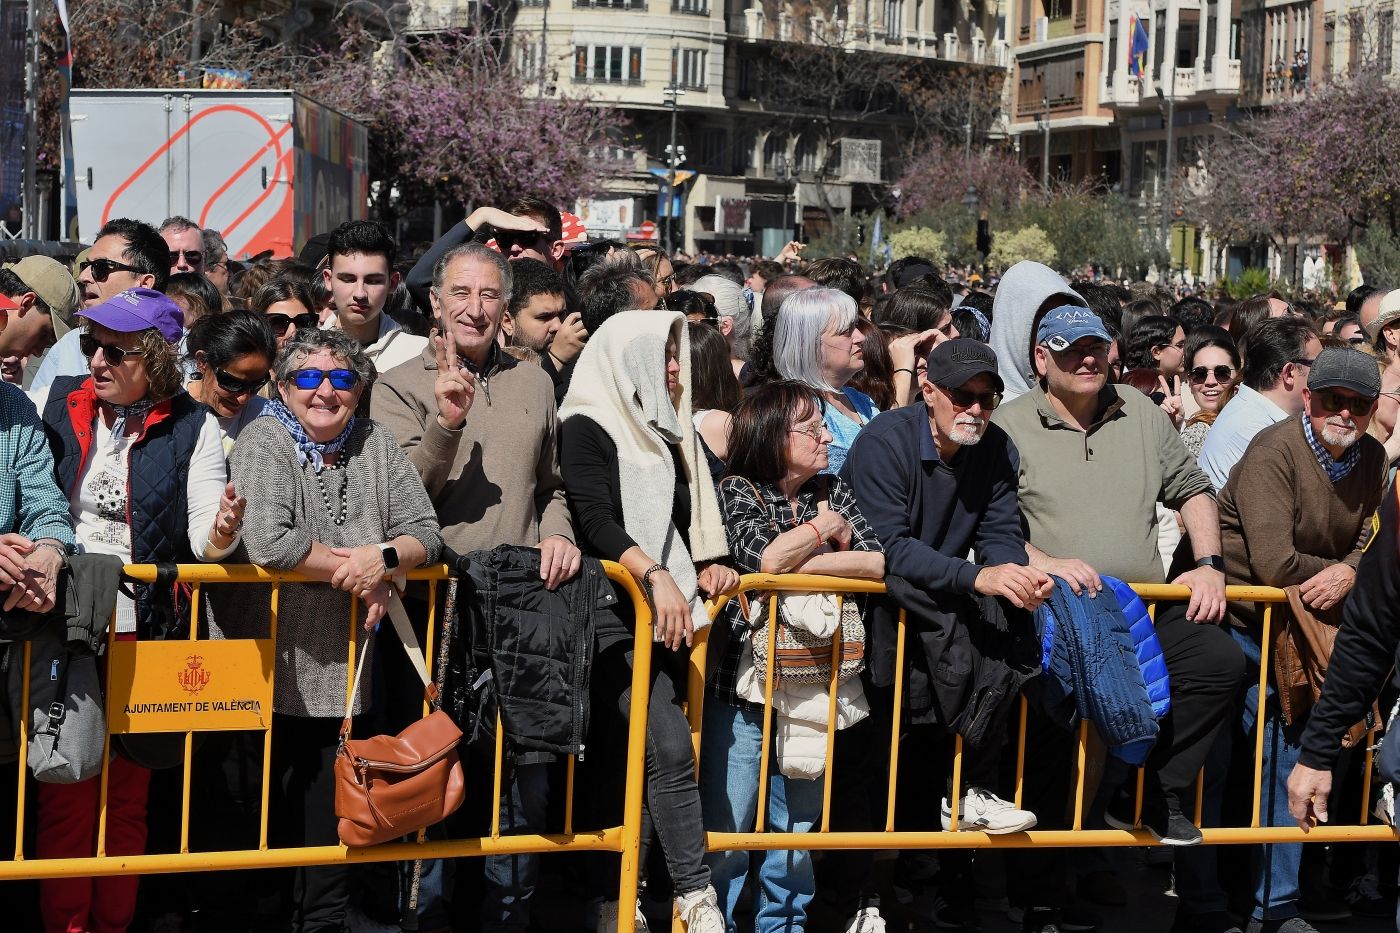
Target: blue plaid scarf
{"points": [[308, 451]]}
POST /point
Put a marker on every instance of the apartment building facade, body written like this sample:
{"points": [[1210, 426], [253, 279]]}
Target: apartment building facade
{"points": [[759, 169]]}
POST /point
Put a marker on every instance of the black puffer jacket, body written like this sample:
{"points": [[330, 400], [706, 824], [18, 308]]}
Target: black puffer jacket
{"points": [[523, 649]]}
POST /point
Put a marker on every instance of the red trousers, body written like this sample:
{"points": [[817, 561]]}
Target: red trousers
{"points": [[68, 829]]}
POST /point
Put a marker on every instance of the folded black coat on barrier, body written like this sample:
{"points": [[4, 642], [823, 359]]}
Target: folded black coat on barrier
{"points": [[967, 658], [524, 650]]}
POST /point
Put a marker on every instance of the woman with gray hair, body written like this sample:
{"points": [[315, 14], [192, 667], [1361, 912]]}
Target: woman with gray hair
{"points": [[816, 342], [735, 317], [334, 498]]}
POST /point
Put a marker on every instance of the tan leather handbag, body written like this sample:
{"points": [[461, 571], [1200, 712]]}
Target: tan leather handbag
{"points": [[1302, 649], [391, 785]]}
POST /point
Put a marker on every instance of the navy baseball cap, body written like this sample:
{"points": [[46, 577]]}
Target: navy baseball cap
{"points": [[138, 309], [953, 362], [1068, 323]]}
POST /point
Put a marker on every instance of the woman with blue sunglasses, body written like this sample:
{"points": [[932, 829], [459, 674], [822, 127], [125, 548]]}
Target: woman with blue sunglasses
{"points": [[332, 496]]}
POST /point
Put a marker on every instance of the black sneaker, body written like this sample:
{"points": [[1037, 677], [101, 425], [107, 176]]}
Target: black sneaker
{"points": [[1040, 920], [1213, 922], [1161, 817], [1291, 925], [1324, 908]]}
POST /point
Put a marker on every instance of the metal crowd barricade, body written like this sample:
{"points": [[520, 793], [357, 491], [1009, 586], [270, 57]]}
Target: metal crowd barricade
{"points": [[624, 838], [888, 837]]}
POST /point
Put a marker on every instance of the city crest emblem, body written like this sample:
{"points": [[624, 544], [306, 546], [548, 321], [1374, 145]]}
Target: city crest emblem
{"points": [[195, 676]]}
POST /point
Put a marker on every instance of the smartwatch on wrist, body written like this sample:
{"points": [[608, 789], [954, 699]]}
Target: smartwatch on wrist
{"points": [[1213, 561], [391, 556]]}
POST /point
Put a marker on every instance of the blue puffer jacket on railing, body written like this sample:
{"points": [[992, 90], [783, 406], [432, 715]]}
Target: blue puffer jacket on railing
{"points": [[1149, 650], [1092, 661]]}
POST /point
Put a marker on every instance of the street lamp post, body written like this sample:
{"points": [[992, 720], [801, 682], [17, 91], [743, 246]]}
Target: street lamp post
{"points": [[1045, 152], [672, 95], [782, 171]]}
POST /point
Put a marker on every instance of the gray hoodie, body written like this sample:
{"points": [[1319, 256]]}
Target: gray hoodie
{"points": [[1023, 289]]}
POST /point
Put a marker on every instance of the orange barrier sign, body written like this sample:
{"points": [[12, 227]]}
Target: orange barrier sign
{"points": [[190, 686]]}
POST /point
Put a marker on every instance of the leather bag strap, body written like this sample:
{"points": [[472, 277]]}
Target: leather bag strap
{"points": [[398, 615]]}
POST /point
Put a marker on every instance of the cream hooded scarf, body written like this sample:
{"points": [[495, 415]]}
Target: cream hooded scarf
{"points": [[619, 383]]}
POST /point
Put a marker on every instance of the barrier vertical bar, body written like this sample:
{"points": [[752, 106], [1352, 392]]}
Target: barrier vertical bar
{"points": [[272, 610], [895, 722], [1081, 759], [496, 776], [770, 667], [1200, 796], [569, 795], [1021, 752], [1259, 712], [833, 684], [1142, 772], [631, 842], [23, 719], [1366, 778], [429, 656], [695, 687], [195, 593], [955, 795], [106, 749]]}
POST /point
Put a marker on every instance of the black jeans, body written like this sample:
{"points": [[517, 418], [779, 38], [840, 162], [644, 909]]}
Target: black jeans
{"points": [[1206, 670], [302, 813], [672, 807]]}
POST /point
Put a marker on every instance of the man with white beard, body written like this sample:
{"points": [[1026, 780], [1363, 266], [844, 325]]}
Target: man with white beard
{"points": [[1297, 512]]}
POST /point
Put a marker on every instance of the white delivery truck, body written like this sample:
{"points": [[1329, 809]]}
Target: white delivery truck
{"points": [[267, 169]]}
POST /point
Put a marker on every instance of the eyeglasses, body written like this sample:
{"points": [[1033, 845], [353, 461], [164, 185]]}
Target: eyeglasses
{"points": [[113, 355], [101, 268], [341, 379], [193, 257], [1332, 402], [280, 322], [505, 239], [965, 399], [235, 386], [1302, 361], [815, 431], [1222, 373]]}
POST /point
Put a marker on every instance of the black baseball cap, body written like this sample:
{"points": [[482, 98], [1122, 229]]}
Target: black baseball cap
{"points": [[953, 362]]}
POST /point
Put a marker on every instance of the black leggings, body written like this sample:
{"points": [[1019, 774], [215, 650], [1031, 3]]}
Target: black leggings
{"points": [[672, 803]]}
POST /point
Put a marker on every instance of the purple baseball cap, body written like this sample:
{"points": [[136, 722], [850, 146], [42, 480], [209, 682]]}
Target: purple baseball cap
{"points": [[139, 309]]}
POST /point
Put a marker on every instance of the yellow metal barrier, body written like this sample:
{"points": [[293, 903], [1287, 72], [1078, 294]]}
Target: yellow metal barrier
{"points": [[890, 838], [624, 839]]}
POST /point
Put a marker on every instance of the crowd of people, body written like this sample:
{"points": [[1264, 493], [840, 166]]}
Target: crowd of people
{"points": [[1005, 462]]}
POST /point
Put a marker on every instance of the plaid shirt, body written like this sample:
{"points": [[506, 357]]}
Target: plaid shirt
{"points": [[752, 525], [1336, 470], [31, 502]]}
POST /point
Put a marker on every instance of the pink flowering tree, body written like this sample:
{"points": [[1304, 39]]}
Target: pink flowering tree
{"points": [[450, 117]]}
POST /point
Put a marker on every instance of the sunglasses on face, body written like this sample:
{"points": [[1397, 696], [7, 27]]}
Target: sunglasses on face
{"points": [[1222, 373], [113, 355], [280, 322], [102, 268], [193, 257], [235, 386], [1332, 403], [341, 379], [525, 238], [965, 399]]}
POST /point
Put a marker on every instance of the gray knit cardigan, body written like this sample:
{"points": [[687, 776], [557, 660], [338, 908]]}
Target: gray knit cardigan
{"points": [[286, 513]]}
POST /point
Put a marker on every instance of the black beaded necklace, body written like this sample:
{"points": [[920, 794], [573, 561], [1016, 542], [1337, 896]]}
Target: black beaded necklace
{"points": [[338, 517]]}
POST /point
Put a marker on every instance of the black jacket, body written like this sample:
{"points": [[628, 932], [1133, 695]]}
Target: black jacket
{"points": [[524, 650], [966, 660]]}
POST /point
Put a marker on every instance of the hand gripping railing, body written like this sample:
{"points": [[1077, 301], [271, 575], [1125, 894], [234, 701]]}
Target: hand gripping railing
{"points": [[624, 839], [888, 837]]}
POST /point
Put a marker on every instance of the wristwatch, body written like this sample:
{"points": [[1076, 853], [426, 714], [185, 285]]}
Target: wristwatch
{"points": [[1213, 561], [391, 556]]}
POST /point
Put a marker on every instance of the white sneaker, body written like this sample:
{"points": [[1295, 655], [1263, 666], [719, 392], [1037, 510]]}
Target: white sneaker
{"points": [[607, 918], [699, 911], [866, 920], [985, 811]]}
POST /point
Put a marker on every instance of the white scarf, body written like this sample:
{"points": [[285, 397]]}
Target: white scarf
{"points": [[619, 383]]}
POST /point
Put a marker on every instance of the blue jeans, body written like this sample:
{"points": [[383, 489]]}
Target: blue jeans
{"points": [[510, 879], [731, 739], [1274, 867]]}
